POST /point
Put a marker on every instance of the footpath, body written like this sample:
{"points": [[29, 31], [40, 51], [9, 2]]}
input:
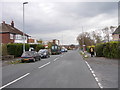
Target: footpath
{"points": [[105, 69]]}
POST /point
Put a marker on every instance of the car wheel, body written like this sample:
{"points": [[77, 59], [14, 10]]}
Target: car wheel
{"points": [[34, 60], [39, 58], [22, 61]]}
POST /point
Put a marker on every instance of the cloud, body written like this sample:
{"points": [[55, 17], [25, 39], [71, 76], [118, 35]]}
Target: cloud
{"points": [[49, 20]]}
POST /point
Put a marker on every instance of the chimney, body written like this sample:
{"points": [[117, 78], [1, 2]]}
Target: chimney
{"points": [[54, 41], [12, 24], [3, 22]]}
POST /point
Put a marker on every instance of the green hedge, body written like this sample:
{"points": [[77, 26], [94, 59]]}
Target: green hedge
{"points": [[109, 50], [17, 49], [3, 49], [37, 47], [99, 50]]}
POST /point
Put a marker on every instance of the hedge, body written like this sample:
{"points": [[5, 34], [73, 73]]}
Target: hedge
{"points": [[17, 49], [109, 50], [37, 47], [3, 49]]}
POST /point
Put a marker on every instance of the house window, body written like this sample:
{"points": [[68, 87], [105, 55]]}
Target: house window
{"points": [[24, 37], [11, 36], [17, 36]]}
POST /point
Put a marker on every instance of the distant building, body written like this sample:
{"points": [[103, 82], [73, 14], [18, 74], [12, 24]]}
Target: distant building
{"points": [[116, 34], [31, 40], [10, 34], [56, 41]]}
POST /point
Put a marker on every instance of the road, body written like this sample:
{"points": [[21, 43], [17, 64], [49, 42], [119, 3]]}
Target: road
{"points": [[67, 70]]}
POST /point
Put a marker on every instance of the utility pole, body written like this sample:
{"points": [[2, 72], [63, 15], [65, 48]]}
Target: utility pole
{"points": [[23, 27], [83, 45]]}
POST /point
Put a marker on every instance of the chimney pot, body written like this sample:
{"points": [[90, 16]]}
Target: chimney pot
{"points": [[3, 22], [12, 23]]}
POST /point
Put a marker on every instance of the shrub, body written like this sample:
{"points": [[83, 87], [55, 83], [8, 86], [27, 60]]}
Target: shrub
{"points": [[16, 49], [39, 46], [112, 50], [33, 46], [99, 50], [4, 49], [109, 50]]}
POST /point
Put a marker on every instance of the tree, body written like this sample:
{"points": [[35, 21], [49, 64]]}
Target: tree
{"points": [[107, 31], [85, 39], [96, 37], [49, 44], [40, 41]]}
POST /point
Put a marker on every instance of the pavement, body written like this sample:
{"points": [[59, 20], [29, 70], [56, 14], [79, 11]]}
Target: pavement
{"points": [[67, 70], [106, 70]]}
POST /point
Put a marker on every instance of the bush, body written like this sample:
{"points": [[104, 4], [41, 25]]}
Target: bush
{"points": [[109, 50], [112, 50], [99, 50], [4, 49], [16, 49], [39, 46]]}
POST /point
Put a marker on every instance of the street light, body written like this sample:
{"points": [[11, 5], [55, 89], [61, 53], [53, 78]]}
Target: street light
{"points": [[23, 28]]}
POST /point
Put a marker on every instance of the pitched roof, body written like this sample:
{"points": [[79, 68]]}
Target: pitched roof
{"points": [[6, 28], [117, 31]]}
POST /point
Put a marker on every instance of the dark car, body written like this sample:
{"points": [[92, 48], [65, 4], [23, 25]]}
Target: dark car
{"points": [[55, 49], [30, 56], [44, 53]]}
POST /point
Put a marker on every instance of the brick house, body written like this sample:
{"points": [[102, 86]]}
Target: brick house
{"points": [[116, 34], [10, 34]]}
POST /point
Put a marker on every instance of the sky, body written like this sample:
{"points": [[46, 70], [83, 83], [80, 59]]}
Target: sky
{"points": [[60, 20]]}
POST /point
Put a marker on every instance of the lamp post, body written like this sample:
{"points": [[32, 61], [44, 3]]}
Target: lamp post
{"points": [[23, 28]]}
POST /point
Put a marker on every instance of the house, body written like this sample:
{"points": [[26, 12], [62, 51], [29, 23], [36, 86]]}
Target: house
{"points": [[10, 34], [116, 34], [32, 40]]}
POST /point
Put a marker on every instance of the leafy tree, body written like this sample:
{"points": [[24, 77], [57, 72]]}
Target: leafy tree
{"points": [[40, 41]]}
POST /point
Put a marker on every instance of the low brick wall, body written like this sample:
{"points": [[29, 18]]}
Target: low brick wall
{"points": [[7, 57]]}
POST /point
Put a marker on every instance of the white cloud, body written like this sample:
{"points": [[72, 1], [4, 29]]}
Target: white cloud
{"points": [[54, 20]]}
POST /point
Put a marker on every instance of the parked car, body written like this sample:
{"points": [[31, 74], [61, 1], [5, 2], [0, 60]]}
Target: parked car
{"points": [[64, 50], [44, 53], [30, 56], [55, 49]]}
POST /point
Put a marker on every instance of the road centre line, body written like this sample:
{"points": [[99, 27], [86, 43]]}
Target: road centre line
{"points": [[14, 81], [44, 65], [55, 59], [99, 84]]}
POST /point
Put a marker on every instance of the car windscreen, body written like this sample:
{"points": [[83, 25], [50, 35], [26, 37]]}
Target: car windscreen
{"points": [[42, 51]]}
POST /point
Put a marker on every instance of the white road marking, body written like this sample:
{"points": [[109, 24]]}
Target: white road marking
{"points": [[44, 65], [94, 75], [14, 81], [92, 72], [55, 59], [99, 84], [96, 79]]}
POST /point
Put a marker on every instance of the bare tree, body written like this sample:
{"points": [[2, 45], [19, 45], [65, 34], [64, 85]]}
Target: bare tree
{"points": [[84, 39], [107, 31], [96, 37]]}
